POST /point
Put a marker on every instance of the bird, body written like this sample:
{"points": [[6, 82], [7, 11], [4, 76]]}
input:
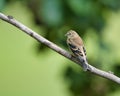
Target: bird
{"points": [[75, 44]]}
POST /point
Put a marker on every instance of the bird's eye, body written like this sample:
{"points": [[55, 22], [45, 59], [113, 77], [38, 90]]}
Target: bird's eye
{"points": [[70, 34]]}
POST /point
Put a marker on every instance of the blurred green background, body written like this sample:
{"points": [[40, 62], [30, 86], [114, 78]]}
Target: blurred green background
{"points": [[28, 68]]}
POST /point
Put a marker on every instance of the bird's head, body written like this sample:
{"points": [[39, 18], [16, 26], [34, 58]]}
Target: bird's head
{"points": [[71, 34]]}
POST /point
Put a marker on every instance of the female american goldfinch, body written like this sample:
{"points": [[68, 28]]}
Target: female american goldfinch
{"points": [[76, 45]]}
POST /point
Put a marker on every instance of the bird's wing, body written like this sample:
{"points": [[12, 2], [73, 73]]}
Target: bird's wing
{"points": [[75, 49], [78, 46]]}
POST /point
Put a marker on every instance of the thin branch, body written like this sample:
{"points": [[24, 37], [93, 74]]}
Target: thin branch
{"points": [[54, 47]]}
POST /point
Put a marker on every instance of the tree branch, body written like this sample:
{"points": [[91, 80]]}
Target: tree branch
{"points": [[54, 47]]}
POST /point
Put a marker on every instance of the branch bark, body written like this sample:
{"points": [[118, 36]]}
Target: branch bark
{"points": [[56, 48]]}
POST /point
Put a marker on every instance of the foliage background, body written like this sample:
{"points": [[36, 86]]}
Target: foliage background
{"points": [[28, 68]]}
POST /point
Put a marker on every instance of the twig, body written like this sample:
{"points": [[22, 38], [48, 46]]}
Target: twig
{"points": [[54, 47]]}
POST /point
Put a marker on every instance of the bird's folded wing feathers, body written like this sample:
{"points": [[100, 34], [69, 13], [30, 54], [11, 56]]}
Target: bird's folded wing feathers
{"points": [[75, 50]]}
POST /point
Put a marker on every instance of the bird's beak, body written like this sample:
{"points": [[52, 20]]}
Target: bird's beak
{"points": [[66, 34]]}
